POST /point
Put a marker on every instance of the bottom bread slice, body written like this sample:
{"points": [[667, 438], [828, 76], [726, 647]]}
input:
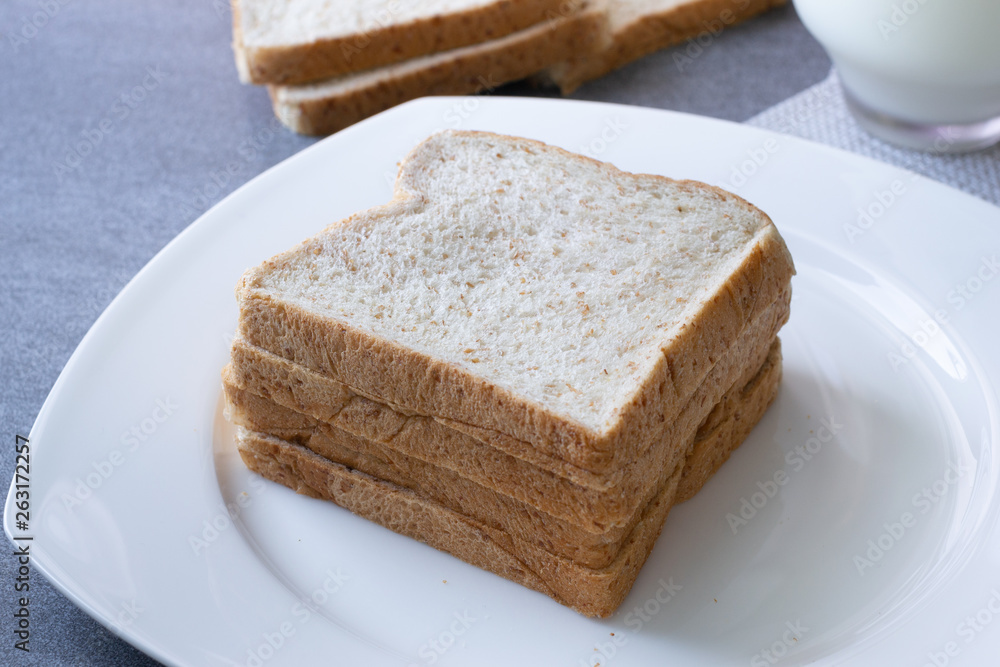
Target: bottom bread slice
{"points": [[482, 503], [332, 104], [590, 591]]}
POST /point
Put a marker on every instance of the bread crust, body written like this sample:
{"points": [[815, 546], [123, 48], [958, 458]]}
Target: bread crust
{"points": [[485, 504], [590, 591], [658, 29], [389, 43], [596, 504], [397, 375], [329, 106]]}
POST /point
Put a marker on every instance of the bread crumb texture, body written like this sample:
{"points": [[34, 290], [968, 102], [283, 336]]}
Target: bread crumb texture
{"points": [[269, 23], [527, 266]]}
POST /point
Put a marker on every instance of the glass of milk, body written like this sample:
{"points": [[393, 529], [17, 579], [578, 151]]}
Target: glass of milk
{"points": [[924, 74]]}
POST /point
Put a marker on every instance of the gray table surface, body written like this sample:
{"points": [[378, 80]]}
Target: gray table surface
{"points": [[73, 233]]}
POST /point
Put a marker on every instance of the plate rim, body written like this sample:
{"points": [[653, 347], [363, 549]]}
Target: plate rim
{"points": [[205, 222]]}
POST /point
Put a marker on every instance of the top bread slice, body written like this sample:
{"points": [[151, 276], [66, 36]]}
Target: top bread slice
{"points": [[520, 288], [297, 41], [636, 28]]}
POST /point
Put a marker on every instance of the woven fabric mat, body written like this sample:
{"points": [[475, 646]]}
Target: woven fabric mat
{"points": [[820, 114]]}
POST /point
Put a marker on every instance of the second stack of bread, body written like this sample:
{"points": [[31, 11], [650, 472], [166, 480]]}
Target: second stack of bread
{"points": [[328, 66]]}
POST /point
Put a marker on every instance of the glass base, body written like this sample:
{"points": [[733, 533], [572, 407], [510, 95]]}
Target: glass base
{"points": [[921, 137]]}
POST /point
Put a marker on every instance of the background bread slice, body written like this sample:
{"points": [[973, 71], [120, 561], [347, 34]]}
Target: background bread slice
{"points": [[481, 503], [596, 507], [489, 272], [330, 105], [297, 41], [592, 592], [636, 28]]}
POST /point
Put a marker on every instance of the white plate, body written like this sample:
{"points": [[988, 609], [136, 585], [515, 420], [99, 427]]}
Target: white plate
{"points": [[132, 464]]}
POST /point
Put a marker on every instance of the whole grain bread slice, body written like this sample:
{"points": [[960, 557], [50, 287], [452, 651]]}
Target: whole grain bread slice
{"points": [[581, 498], [636, 28], [590, 591], [326, 106], [297, 41], [486, 505], [519, 288], [329, 400]]}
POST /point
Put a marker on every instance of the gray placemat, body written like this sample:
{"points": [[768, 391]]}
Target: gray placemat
{"points": [[820, 114]]}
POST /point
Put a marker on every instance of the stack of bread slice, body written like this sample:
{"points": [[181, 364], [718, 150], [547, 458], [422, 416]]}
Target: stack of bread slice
{"points": [[525, 358], [329, 65]]}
